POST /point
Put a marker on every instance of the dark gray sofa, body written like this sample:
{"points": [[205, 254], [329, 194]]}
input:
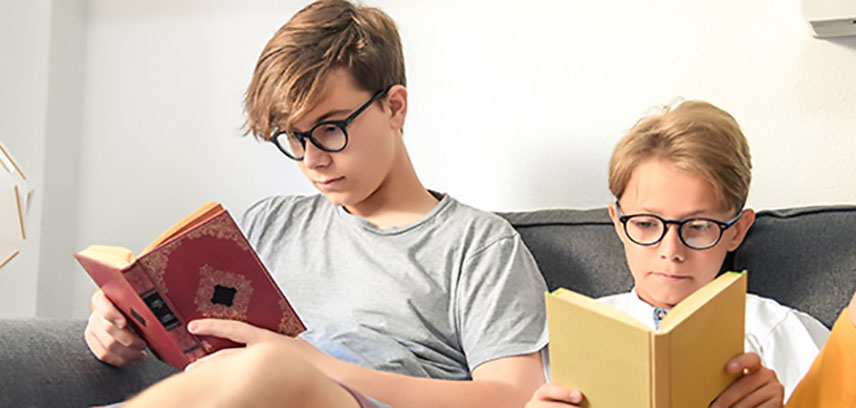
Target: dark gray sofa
{"points": [[803, 257]]}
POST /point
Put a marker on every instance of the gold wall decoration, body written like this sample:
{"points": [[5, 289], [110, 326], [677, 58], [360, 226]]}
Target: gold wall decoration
{"points": [[14, 202]]}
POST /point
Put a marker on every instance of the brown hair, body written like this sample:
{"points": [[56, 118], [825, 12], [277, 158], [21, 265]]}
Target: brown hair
{"points": [[694, 136], [324, 36]]}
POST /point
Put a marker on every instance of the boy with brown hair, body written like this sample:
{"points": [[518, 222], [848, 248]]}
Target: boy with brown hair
{"points": [[410, 297], [681, 179]]}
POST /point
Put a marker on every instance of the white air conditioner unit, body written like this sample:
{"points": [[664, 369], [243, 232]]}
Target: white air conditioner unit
{"points": [[830, 18]]}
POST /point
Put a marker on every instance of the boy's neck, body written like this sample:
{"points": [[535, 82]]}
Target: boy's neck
{"points": [[651, 302], [401, 199]]}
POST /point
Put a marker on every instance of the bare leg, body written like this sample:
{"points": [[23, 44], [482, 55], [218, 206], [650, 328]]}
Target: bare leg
{"points": [[259, 376]]}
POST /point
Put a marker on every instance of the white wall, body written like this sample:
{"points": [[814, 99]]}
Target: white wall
{"points": [[24, 43], [58, 271], [513, 105]]}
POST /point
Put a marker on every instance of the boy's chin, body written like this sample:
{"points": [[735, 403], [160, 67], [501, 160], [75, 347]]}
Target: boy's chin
{"points": [[666, 300], [339, 198]]}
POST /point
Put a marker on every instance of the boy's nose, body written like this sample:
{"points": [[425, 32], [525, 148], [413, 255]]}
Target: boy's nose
{"points": [[671, 247], [314, 158]]}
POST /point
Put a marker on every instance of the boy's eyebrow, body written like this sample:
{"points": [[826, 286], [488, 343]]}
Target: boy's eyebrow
{"points": [[332, 113], [685, 216], [326, 116]]}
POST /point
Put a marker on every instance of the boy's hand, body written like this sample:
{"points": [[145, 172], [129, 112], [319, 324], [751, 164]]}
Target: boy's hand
{"points": [[239, 332], [759, 386], [234, 330], [250, 335], [554, 396], [108, 335]]}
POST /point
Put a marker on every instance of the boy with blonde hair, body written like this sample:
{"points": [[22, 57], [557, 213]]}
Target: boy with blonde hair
{"points": [[681, 179], [410, 297]]}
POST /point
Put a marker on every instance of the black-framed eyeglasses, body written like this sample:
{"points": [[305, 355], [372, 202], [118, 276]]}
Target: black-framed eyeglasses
{"points": [[695, 233], [329, 136]]}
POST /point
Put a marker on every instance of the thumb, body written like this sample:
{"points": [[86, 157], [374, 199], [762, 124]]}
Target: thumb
{"points": [[239, 332], [745, 363]]}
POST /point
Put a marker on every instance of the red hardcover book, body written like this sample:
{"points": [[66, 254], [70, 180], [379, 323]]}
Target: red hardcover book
{"points": [[201, 267]]}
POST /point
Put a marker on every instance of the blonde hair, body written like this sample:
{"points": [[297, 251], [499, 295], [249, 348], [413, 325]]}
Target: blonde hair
{"points": [[326, 35], [695, 136]]}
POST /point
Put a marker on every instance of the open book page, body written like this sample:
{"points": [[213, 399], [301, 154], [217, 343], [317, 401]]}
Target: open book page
{"points": [[705, 331], [197, 217], [617, 361], [116, 257], [599, 350]]}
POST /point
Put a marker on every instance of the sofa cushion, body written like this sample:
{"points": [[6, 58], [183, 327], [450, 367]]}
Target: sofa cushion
{"points": [[575, 249], [803, 257], [45, 363]]}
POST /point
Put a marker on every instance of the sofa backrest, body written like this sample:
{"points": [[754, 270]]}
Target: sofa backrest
{"points": [[804, 258]]}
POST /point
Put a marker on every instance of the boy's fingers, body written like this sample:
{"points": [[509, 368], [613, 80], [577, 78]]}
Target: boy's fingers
{"points": [[105, 349], [109, 333], [103, 307], [745, 363], [747, 385], [239, 332], [552, 392], [770, 394], [737, 390], [549, 404]]}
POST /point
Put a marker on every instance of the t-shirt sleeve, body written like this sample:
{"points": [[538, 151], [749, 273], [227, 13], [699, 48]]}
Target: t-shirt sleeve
{"points": [[829, 383], [500, 302], [252, 216], [255, 220]]}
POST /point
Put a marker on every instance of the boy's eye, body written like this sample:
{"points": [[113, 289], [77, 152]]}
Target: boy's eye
{"points": [[645, 223], [327, 134], [328, 129], [700, 226]]}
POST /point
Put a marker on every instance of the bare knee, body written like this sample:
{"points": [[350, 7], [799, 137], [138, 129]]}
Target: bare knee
{"points": [[273, 373]]}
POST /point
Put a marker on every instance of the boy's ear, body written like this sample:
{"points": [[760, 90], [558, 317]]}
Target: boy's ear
{"points": [[613, 214], [741, 227], [396, 100]]}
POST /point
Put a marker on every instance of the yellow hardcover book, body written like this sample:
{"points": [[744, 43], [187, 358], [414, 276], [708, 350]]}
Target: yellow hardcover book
{"points": [[617, 361]]}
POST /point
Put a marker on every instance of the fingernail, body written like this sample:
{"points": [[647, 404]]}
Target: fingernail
{"points": [[119, 322], [141, 357], [576, 396], [733, 366], [192, 326]]}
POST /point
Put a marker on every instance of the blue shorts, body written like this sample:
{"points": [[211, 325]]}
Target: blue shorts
{"points": [[364, 401]]}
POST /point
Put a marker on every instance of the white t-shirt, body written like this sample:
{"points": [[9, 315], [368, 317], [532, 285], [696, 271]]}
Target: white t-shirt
{"points": [[786, 339]]}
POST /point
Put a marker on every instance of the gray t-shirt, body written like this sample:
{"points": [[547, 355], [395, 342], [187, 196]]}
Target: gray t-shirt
{"points": [[435, 298]]}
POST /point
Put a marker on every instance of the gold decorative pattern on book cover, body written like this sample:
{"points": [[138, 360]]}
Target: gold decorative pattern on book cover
{"points": [[289, 324], [219, 227], [223, 295]]}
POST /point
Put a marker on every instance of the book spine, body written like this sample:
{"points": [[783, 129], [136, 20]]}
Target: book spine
{"points": [[660, 370], [160, 307]]}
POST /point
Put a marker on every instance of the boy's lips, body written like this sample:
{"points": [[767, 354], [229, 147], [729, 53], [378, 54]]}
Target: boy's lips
{"points": [[328, 182], [669, 276]]}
